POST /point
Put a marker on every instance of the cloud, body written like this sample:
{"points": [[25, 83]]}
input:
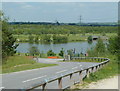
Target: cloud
{"points": [[27, 6], [24, 5]]}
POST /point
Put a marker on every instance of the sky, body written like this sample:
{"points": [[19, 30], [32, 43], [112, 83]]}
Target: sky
{"points": [[64, 12]]}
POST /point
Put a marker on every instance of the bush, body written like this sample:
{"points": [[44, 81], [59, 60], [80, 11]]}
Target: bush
{"points": [[61, 52], [60, 39], [50, 53], [98, 50], [90, 38], [34, 51], [31, 39], [100, 47]]}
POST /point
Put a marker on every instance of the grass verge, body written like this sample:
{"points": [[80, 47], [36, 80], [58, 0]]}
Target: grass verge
{"points": [[111, 69], [20, 63], [83, 60]]}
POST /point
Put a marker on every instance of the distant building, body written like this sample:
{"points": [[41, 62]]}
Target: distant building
{"points": [[102, 37], [95, 37]]}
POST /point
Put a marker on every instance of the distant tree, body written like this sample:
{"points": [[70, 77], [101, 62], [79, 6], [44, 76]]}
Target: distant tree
{"points": [[100, 46], [50, 53], [8, 41], [34, 51], [90, 39], [46, 38], [70, 52], [37, 39], [61, 52], [31, 38]]}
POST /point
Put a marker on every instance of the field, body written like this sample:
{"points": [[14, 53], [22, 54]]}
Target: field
{"points": [[68, 33], [71, 37]]}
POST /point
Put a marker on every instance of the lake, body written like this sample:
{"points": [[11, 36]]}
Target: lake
{"points": [[79, 47]]}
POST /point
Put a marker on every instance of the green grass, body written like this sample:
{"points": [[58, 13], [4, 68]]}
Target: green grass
{"points": [[20, 63], [86, 60], [71, 37], [83, 60], [110, 70]]}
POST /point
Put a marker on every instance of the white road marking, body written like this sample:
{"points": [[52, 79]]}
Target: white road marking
{"points": [[80, 65], [34, 79], [61, 71], [75, 68], [2, 87], [23, 71]]}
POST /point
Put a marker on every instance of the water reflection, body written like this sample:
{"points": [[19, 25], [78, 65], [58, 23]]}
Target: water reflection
{"points": [[44, 47]]}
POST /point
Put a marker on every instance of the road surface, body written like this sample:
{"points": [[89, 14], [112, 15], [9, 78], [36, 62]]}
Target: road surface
{"points": [[23, 79]]}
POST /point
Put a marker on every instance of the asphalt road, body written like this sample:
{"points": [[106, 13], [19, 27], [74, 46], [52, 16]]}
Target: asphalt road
{"points": [[23, 79]]}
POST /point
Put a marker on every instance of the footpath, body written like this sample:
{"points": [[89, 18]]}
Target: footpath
{"points": [[109, 83]]}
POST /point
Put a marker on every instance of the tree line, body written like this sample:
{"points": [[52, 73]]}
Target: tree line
{"points": [[27, 29]]}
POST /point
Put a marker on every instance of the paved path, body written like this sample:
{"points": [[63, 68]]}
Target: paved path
{"points": [[23, 79]]}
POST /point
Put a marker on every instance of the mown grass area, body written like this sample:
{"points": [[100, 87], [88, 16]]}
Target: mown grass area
{"points": [[20, 63], [111, 69]]}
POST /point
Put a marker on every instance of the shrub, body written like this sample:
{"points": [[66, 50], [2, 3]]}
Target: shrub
{"points": [[50, 53]]}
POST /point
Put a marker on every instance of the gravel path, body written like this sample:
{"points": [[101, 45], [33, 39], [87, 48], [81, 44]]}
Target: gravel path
{"points": [[110, 83]]}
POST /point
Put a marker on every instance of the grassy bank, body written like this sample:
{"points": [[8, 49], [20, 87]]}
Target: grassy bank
{"points": [[111, 69], [83, 60], [20, 63]]}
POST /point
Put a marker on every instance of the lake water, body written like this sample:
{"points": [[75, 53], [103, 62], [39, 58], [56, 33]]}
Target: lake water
{"points": [[79, 47]]}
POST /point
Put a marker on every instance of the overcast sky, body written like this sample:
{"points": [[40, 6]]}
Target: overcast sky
{"points": [[61, 11]]}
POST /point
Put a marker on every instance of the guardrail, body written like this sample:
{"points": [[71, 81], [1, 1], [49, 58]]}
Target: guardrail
{"points": [[60, 77]]}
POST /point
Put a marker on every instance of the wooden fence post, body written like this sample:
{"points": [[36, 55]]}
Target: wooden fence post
{"points": [[80, 74], [87, 73], [71, 80], [44, 87], [60, 83], [92, 69]]}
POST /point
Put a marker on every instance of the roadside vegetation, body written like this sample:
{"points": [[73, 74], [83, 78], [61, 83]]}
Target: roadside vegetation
{"points": [[20, 63], [112, 68], [109, 70], [10, 61]]}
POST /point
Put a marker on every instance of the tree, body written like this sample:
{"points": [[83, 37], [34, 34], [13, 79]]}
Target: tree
{"points": [[90, 39], [37, 39], [8, 41], [70, 52], [31, 38], [61, 52], [34, 51], [114, 45], [100, 46]]}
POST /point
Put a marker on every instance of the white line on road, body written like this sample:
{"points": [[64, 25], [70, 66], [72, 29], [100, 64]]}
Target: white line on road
{"points": [[34, 79], [61, 71], [1, 88], [80, 65], [75, 68], [24, 71]]}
